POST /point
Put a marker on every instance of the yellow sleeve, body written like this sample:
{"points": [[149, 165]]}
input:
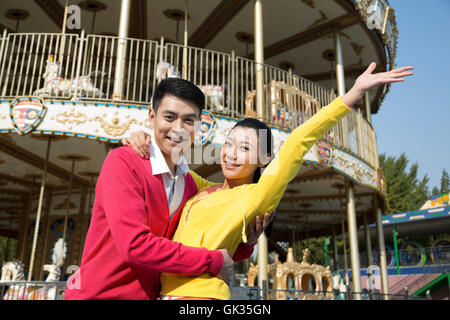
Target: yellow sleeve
{"points": [[265, 195], [200, 182]]}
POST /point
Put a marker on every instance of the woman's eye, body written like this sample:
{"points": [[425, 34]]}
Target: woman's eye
{"points": [[243, 148]]}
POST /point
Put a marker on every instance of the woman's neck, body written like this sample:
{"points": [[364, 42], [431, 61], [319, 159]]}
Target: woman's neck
{"points": [[231, 183]]}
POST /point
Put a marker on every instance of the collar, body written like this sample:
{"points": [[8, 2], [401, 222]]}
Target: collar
{"points": [[159, 164]]}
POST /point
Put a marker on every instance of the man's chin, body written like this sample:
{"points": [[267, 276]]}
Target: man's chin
{"points": [[172, 152]]}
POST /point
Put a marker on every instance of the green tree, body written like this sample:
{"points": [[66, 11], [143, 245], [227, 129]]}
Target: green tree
{"points": [[405, 192], [445, 182], [445, 185]]}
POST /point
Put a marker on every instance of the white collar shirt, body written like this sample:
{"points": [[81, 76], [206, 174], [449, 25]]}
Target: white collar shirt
{"points": [[174, 185]]}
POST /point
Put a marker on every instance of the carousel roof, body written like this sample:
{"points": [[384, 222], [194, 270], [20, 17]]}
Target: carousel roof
{"points": [[297, 34]]}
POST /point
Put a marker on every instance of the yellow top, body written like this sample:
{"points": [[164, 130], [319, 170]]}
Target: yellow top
{"points": [[216, 221]]}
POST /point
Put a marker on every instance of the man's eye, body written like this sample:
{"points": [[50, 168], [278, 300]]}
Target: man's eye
{"points": [[169, 117], [189, 121]]}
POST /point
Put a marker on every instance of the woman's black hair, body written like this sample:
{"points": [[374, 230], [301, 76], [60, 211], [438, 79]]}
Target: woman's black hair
{"points": [[265, 140], [265, 147]]}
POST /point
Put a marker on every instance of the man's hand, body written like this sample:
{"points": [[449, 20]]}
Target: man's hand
{"points": [[227, 267], [368, 80], [254, 233], [140, 142]]}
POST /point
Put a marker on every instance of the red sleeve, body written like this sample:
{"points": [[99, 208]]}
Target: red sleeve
{"points": [[121, 193], [243, 251]]}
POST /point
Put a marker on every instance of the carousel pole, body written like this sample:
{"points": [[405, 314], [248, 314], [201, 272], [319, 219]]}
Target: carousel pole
{"points": [[340, 186], [67, 212], [340, 78], [38, 217], [294, 225], [263, 275], [353, 238], [185, 53], [305, 207], [6, 251], [47, 227], [368, 240], [73, 158], [63, 33], [335, 248], [121, 49], [368, 109], [259, 60], [381, 249], [26, 221], [91, 175]]}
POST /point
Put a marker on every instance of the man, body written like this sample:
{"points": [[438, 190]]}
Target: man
{"points": [[137, 207]]}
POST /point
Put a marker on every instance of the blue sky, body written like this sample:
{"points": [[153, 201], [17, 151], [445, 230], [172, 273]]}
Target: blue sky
{"points": [[415, 115]]}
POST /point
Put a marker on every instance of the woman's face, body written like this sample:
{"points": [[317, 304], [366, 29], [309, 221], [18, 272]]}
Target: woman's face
{"points": [[239, 154]]}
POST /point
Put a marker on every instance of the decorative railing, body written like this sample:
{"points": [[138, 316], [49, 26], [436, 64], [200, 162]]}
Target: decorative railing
{"points": [[32, 290], [41, 290], [80, 67], [408, 257]]}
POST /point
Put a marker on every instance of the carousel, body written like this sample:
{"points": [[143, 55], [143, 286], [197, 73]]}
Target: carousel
{"points": [[76, 77]]}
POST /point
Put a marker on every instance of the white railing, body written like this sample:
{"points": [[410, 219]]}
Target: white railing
{"points": [[83, 67]]}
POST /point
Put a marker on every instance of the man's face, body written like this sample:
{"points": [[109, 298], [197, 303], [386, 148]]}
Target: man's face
{"points": [[173, 126]]}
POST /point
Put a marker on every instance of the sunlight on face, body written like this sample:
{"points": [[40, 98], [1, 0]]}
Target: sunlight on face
{"points": [[239, 154]]}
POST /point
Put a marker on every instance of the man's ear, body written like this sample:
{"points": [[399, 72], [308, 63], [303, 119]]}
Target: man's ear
{"points": [[151, 117]]}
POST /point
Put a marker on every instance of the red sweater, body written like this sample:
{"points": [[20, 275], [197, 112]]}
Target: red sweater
{"points": [[127, 245]]}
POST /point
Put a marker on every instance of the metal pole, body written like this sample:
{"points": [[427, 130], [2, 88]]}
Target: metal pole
{"points": [[259, 75], [382, 250], [259, 60], [340, 78], [368, 109], [262, 260], [394, 236], [47, 228], [2, 47], [185, 39], [63, 40], [335, 248], [121, 49], [67, 213], [344, 239], [38, 217], [91, 189], [353, 238], [368, 240], [25, 222], [326, 251], [6, 251]]}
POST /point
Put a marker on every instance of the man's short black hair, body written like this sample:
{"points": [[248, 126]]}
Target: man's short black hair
{"points": [[181, 89]]}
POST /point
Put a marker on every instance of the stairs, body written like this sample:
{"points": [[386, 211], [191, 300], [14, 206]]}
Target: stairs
{"points": [[414, 282]]}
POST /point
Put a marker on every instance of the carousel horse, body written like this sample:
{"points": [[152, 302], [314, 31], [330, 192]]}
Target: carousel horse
{"points": [[214, 94], [54, 84], [13, 271], [165, 70], [54, 273], [215, 97], [339, 286]]}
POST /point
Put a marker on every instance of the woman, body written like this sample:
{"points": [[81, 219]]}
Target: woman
{"points": [[217, 216]]}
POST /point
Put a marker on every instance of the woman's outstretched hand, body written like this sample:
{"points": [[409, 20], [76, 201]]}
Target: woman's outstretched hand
{"points": [[254, 233], [140, 142], [368, 80]]}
